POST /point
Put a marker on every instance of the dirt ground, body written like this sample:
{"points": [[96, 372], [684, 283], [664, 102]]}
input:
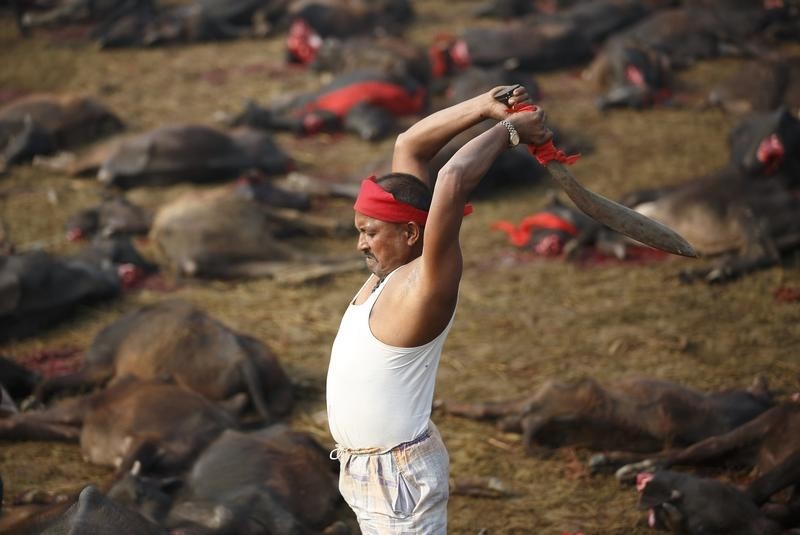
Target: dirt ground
{"points": [[520, 321]]}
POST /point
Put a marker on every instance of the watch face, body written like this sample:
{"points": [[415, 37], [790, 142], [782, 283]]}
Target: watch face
{"points": [[514, 138]]}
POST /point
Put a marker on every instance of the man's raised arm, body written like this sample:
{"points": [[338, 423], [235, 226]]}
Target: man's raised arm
{"points": [[441, 253], [417, 146]]}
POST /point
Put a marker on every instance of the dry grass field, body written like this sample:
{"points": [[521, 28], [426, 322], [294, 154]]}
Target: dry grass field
{"points": [[519, 322]]}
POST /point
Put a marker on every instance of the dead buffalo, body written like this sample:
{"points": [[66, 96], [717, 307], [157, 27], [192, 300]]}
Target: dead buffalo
{"points": [[117, 254], [42, 124], [631, 414], [767, 143], [760, 85], [114, 216], [220, 234], [527, 46], [52, 13], [158, 423], [759, 445], [139, 23], [313, 21], [631, 76], [190, 153], [564, 38], [363, 102], [395, 56], [271, 481], [689, 505], [690, 33], [742, 224], [175, 339], [38, 290], [95, 513], [634, 67]]}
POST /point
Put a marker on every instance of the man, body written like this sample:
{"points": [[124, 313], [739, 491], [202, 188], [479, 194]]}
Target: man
{"points": [[394, 466]]}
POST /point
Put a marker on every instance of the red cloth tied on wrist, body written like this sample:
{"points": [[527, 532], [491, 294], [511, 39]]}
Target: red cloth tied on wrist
{"points": [[547, 152], [374, 201]]}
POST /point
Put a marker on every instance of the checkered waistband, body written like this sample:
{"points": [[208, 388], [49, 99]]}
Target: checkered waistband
{"points": [[339, 450]]}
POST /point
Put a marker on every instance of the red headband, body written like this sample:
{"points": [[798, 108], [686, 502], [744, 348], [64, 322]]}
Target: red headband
{"points": [[374, 201]]}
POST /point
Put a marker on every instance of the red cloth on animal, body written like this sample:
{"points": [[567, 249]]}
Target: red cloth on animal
{"points": [[519, 236], [546, 152], [376, 202], [390, 96]]}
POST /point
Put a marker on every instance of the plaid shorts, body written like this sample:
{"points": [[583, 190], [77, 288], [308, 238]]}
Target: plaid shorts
{"points": [[400, 491]]}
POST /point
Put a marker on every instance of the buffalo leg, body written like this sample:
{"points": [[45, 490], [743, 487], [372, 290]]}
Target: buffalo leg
{"points": [[784, 475], [81, 380], [487, 410], [18, 427]]}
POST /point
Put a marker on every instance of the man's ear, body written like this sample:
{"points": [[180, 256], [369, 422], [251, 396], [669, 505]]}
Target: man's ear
{"points": [[413, 232]]}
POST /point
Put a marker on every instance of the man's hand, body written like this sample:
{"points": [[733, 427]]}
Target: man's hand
{"points": [[531, 126], [494, 109]]}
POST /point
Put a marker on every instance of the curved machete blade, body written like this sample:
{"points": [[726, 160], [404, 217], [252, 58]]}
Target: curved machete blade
{"points": [[619, 217]]}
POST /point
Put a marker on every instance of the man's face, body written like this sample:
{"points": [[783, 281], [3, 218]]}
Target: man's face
{"points": [[385, 245]]}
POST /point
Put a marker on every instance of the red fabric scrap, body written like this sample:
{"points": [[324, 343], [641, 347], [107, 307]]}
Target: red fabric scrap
{"points": [[392, 97], [521, 235]]}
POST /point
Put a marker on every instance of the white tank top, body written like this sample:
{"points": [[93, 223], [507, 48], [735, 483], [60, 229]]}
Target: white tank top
{"points": [[378, 395]]}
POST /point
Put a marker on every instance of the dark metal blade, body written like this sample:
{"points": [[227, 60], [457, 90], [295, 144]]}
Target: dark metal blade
{"points": [[619, 217]]}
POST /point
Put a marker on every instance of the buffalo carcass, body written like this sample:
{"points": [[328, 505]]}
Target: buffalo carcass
{"points": [[220, 234], [190, 153], [96, 514], [767, 143], [43, 123], [275, 480], [37, 290], [759, 445], [49, 13], [173, 338], [546, 42], [314, 21], [634, 65], [689, 505], [742, 224], [364, 102], [115, 215], [760, 85], [392, 55], [158, 423], [143, 23], [638, 414]]}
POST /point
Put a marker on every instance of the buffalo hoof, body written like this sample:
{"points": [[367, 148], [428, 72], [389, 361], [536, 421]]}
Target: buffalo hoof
{"points": [[627, 474]]}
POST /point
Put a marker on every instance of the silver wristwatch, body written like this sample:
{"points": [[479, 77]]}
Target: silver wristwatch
{"points": [[513, 135]]}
